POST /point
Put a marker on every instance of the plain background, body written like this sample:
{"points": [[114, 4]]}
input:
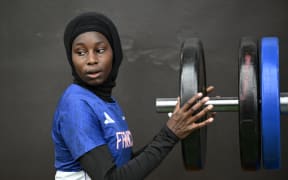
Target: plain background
{"points": [[34, 72]]}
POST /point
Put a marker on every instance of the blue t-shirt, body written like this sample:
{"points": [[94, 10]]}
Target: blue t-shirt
{"points": [[83, 121]]}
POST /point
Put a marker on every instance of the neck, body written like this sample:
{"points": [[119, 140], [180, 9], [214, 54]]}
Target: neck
{"points": [[103, 91]]}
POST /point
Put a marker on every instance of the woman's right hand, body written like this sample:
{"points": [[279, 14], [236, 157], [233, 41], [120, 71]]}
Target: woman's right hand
{"points": [[183, 120]]}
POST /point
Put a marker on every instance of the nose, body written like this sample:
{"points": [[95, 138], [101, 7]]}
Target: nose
{"points": [[92, 58]]}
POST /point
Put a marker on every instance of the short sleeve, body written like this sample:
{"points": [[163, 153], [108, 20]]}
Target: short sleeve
{"points": [[80, 128]]}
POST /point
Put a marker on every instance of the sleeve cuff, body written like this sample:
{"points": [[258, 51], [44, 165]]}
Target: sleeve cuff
{"points": [[168, 133]]}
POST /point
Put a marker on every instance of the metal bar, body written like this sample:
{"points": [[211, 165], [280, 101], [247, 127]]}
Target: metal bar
{"points": [[284, 103], [221, 104]]}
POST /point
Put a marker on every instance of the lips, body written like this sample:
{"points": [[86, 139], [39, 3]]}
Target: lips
{"points": [[93, 74]]}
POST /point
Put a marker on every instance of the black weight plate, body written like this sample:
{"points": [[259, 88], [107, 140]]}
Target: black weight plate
{"points": [[192, 81], [249, 118]]}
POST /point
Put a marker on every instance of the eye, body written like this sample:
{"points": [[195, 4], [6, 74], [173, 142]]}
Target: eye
{"points": [[81, 52], [100, 50]]}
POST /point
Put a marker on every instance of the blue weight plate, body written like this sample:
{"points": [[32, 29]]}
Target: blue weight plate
{"points": [[270, 115], [192, 81]]}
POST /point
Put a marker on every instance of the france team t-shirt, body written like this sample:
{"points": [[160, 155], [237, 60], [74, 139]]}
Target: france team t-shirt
{"points": [[83, 121]]}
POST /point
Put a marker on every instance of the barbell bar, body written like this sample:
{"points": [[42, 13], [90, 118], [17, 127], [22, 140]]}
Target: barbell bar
{"points": [[259, 134], [221, 104]]}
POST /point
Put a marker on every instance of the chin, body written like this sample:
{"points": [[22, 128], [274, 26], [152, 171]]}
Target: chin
{"points": [[94, 82]]}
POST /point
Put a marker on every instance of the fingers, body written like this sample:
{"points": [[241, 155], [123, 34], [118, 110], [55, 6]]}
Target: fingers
{"points": [[212, 114], [198, 105], [199, 95], [184, 119], [177, 107], [191, 101], [182, 123], [202, 113], [209, 89], [195, 126]]}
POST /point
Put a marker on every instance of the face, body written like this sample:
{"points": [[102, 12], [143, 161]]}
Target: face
{"points": [[92, 57]]}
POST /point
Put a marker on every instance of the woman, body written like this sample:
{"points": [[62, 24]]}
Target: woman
{"points": [[90, 133]]}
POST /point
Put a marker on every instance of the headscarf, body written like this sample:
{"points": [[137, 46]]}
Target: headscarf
{"points": [[92, 21]]}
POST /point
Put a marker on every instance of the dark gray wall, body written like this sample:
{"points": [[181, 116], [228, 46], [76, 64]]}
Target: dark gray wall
{"points": [[34, 72]]}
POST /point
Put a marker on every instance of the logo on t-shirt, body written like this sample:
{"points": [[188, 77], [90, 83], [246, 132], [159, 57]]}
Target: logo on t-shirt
{"points": [[124, 139], [108, 119]]}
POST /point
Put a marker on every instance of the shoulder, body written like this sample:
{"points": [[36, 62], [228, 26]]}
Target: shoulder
{"points": [[76, 99], [77, 95]]}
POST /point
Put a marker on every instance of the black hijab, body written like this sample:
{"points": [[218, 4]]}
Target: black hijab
{"points": [[92, 21]]}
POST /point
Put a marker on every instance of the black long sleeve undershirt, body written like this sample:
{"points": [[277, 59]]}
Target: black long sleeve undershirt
{"points": [[98, 163]]}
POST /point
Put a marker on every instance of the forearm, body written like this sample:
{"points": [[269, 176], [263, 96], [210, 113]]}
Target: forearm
{"points": [[138, 167], [151, 156]]}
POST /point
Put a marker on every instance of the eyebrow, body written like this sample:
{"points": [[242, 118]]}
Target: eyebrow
{"points": [[83, 43]]}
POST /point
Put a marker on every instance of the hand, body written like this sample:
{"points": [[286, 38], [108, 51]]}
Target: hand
{"points": [[183, 120]]}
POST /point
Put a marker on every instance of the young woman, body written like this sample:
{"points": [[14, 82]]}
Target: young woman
{"points": [[90, 133]]}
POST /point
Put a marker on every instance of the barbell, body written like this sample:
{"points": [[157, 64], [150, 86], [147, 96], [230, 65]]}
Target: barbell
{"points": [[259, 102]]}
